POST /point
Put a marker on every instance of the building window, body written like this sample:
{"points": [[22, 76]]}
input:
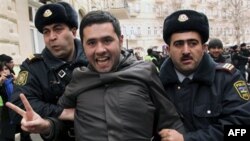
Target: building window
{"points": [[36, 40], [138, 30], [30, 14], [149, 30], [132, 30], [155, 31], [36, 37]]}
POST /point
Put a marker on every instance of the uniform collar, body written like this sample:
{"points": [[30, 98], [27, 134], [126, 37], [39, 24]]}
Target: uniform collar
{"points": [[181, 77], [204, 73], [55, 63]]}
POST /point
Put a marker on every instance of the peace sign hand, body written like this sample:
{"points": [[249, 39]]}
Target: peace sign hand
{"points": [[31, 121]]}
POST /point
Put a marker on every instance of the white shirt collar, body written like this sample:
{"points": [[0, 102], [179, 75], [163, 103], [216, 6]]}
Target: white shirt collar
{"points": [[181, 77]]}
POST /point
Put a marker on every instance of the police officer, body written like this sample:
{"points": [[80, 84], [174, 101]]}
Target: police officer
{"points": [[244, 52], [215, 48], [240, 57], [43, 77], [208, 95]]}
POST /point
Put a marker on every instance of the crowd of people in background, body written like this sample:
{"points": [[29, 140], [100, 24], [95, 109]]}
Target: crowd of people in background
{"points": [[238, 55]]}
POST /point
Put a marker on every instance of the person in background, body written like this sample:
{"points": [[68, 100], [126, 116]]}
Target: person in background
{"points": [[150, 57], [43, 77], [24, 136], [138, 57], [215, 48], [9, 63], [234, 51], [7, 128], [116, 97], [239, 59], [245, 53], [207, 95]]}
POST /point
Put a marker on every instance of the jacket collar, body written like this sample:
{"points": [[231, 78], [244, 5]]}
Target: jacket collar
{"points": [[55, 63]]}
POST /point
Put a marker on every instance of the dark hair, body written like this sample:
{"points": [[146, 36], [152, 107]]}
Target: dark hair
{"points": [[99, 17], [2, 64], [243, 45], [150, 51], [215, 43], [234, 47], [5, 58]]}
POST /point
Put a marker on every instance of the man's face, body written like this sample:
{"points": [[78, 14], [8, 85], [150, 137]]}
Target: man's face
{"points": [[10, 64], [102, 46], [215, 51], [186, 51], [59, 40], [5, 71]]}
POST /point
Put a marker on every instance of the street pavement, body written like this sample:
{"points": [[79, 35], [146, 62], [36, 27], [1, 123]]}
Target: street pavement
{"points": [[35, 137]]}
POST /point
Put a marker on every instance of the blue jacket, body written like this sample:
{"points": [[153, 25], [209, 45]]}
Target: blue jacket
{"points": [[7, 128]]}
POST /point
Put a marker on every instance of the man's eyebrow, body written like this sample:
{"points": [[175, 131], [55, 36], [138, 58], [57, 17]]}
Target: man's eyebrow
{"points": [[101, 38], [186, 40]]}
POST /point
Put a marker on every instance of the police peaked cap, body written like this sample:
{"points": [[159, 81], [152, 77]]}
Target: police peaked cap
{"points": [[215, 43], [60, 12], [186, 20]]}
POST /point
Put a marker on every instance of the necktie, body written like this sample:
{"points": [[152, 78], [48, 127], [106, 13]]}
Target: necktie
{"points": [[185, 82]]}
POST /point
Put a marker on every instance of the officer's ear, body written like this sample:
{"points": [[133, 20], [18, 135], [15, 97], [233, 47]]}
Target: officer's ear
{"points": [[167, 48], [74, 29], [205, 47]]}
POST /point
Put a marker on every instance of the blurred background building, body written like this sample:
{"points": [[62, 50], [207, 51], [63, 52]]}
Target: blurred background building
{"points": [[141, 22]]}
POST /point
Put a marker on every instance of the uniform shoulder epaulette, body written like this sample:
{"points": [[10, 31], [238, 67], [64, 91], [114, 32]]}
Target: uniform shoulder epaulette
{"points": [[226, 67], [34, 57]]}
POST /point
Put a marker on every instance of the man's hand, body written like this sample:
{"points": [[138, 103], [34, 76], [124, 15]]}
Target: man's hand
{"points": [[67, 114], [31, 121], [170, 135], [2, 78]]}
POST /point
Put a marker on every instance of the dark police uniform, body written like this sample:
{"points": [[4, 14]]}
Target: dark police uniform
{"points": [[240, 61], [43, 79], [218, 95]]}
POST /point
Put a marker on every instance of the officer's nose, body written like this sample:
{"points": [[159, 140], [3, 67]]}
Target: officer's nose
{"points": [[52, 35], [186, 49]]}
